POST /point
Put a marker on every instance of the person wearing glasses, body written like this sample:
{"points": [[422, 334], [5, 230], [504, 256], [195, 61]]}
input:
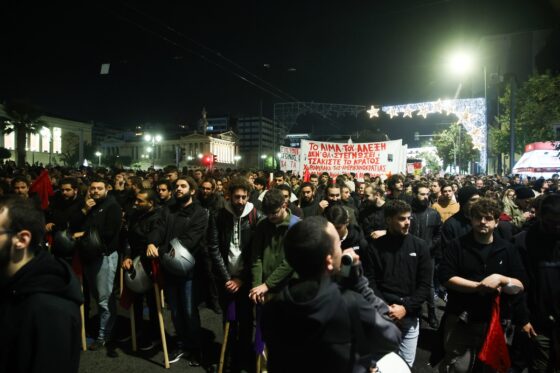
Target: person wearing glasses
{"points": [[230, 232], [39, 297]]}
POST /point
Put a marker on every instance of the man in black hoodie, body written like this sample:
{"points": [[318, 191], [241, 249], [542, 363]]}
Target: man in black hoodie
{"points": [[316, 324], [39, 297]]}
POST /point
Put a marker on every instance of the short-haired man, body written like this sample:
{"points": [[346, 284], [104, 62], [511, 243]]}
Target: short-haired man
{"points": [[402, 271], [333, 195], [165, 193], [20, 186], [446, 205], [66, 203], [269, 269], [40, 297], [372, 215], [230, 232], [475, 268], [309, 326], [307, 202], [100, 215], [287, 193]]}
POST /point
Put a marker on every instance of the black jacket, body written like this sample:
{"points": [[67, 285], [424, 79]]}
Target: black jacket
{"points": [[462, 258], [40, 318], [310, 208], [354, 239], [220, 232], [213, 203], [425, 223], [188, 224], [106, 217], [400, 271], [143, 229], [371, 218], [540, 253], [61, 211], [308, 327]]}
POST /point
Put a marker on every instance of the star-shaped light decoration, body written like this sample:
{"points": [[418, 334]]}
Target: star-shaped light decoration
{"points": [[477, 145], [438, 106], [392, 112], [423, 111], [408, 112], [373, 112], [465, 117]]}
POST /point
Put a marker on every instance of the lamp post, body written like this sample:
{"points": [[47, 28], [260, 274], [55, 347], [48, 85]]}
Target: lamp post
{"points": [[153, 140], [98, 154], [263, 157], [236, 158]]}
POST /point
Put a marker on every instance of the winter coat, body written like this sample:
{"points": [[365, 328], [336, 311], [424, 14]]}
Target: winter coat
{"points": [[40, 318]]}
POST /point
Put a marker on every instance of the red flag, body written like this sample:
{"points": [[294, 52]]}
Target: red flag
{"points": [[127, 298], [306, 174], [494, 351], [43, 187]]}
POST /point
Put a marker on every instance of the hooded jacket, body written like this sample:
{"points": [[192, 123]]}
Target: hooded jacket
{"points": [[308, 327], [40, 319], [224, 227], [425, 223], [372, 217]]}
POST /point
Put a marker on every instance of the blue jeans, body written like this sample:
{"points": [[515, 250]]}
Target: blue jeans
{"points": [[182, 297], [101, 277], [410, 329]]}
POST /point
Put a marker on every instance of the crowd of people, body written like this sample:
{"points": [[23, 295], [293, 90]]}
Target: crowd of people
{"points": [[268, 248]]}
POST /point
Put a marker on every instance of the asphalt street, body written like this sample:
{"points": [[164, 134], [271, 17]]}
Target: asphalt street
{"points": [[152, 361]]}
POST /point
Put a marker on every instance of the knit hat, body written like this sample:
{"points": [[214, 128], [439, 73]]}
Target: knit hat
{"points": [[465, 193], [524, 193]]}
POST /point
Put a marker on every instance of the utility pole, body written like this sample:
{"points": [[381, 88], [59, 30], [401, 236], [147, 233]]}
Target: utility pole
{"points": [[513, 91]]}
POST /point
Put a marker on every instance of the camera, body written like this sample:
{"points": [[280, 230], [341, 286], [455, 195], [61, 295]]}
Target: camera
{"points": [[345, 265]]}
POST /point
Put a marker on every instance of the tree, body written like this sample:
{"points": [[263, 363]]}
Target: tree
{"points": [[70, 149], [432, 161], [23, 119], [537, 107], [5, 153], [455, 144]]}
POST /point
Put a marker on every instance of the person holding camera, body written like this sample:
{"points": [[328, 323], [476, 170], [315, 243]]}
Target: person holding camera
{"points": [[321, 321]]}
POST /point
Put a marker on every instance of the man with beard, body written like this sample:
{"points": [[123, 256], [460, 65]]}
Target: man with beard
{"points": [[446, 205], [372, 216], [539, 320], [334, 197], [187, 222], [39, 297], [100, 215], [401, 276], [212, 202], [20, 186], [144, 221], [425, 223], [396, 189], [165, 193], [231, 231], [459, 224], [307, 202], [65, 203]]}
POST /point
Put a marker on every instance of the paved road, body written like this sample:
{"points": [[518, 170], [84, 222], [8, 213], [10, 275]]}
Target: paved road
{"points": [[141, 362]]}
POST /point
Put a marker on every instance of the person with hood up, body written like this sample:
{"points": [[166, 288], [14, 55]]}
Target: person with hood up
{"points": [[322, 321], [230, 232], [39, 297]]}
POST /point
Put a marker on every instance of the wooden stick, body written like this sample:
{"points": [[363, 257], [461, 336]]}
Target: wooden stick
{"points": [[224, 346], [83, 317], [162, 300], [161, 326], [132, 326]]}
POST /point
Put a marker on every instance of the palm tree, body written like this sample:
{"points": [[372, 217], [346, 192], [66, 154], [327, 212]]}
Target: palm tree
{"points": [[23, 119]]}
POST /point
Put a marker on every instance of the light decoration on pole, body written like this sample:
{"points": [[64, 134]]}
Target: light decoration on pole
{"points": [[470, 112]]}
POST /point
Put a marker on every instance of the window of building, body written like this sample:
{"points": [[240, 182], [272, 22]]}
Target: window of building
{"points": [[57, 140]]}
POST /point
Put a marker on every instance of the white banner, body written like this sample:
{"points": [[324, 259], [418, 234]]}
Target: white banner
{"points": [[376, 158], [289, 159]]}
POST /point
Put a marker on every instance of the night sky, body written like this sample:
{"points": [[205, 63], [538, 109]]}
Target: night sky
{"points": [[166, 65]]}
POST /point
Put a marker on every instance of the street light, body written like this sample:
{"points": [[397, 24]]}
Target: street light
{"points": [[98, 154], [236, 158], [153, 139]]}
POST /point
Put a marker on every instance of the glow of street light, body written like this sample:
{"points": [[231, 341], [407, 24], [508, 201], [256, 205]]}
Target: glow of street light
{"points": [[237, 157], [149, 149], [199, 156], [98, 154], [461, 62], [263, 156], [148, 137], [158, 138]]}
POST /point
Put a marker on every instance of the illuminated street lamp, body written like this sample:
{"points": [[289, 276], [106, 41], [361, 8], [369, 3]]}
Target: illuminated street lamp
{"points": [[236, 158], [153, 140], [98, 154]]}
